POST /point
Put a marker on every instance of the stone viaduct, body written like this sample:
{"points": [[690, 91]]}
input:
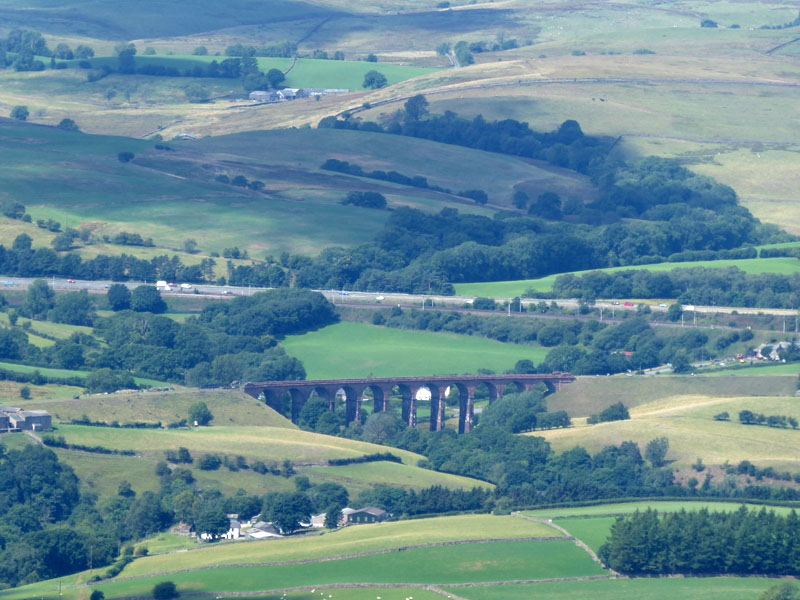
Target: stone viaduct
{"points": [[276, 393]]}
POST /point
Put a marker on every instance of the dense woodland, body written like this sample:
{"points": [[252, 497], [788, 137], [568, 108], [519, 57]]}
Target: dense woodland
{"points": [[756, 542], [698, 285]]}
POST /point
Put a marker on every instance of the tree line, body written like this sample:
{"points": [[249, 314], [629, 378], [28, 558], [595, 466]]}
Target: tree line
{"points": [[729, 286]]}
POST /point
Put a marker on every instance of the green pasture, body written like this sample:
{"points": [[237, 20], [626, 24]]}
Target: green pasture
{"points": [[687, 421], [229, 407], [350, 349], [307, 72], [702, 588], [350, 540], [625, 508], [257, 443], [499, 561], [589, 395], [48, 372], [56, 330], [510, 289], [592, 532], [10, 392], [365, 475], [102, 473]]}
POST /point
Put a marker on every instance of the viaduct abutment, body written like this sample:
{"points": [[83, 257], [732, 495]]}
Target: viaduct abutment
{"points": [[277, 394]]}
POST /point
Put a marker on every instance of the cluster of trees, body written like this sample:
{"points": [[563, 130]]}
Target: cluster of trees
{"points": [[728, 286], [226, 342], [615, 412], [527, 411], [26, 46], [748, 417], [241, 181], [365, 200], [757, 542]]}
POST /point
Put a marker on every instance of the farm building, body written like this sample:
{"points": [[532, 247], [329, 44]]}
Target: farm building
{"points": [[24, 420], [260, 96], [364, 515]]}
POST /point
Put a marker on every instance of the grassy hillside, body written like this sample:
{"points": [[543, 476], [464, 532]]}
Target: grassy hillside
{"points": [[358, 350], [229, 407], [159, 194], [687, 421], [472, 562], [256, 443], [589, 395], [509, 289]]}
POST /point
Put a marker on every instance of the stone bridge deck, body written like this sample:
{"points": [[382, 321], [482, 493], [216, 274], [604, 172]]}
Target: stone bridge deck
{"points": [[297, 393]]}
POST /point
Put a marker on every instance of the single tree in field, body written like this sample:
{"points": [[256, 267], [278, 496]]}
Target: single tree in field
{"points": [[416, 107], [656, 451], [374, 80], [165, 591], [199, 413], [68, 125], [21, 113]]}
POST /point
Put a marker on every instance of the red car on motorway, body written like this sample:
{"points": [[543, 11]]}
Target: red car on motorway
{"points": [[628, 304]]}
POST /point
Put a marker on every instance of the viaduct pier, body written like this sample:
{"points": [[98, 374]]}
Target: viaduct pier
{"points": [[278, 393]]}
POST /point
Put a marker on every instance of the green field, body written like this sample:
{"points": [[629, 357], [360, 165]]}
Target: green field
{"points": [[500, 561], [388, 473], [510, 289], [48, 372], [257, 443], [363, 538], [307, 72], [358, 350], [625, 508], [687, 421], [706, 588]]}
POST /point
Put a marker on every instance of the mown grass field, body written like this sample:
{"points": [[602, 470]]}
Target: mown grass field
{"points": [[350, 349], [589, 395], [510, 289], [706, 588], [229, 407], [500, 561], [687, 421]]}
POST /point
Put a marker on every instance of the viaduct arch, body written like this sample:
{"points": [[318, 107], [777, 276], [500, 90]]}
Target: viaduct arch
{"points": [[275, 393]]}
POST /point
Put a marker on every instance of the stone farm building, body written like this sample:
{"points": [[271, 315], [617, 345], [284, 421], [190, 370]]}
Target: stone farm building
{"points": [[16, 419]]}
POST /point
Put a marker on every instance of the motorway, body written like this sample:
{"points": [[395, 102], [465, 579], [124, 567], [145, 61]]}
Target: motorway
{"points": [[608, 308]]}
